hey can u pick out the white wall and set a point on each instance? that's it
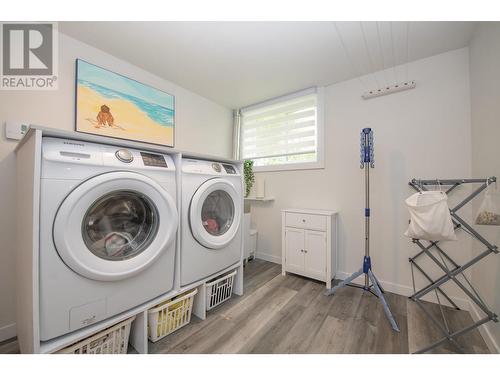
(201, 126)
(422, 133)
(485, 108)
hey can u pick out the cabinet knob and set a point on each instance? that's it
(305, 251)
(303, 220)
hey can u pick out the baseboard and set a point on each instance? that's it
(484, 330)
(407, 291)
(268, 257)
(7, 332)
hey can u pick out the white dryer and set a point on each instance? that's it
(108, 222)
(211, 233)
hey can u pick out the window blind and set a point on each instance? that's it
(281, 129)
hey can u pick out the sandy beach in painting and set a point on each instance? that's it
(130, 121)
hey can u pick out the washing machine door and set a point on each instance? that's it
(215, 213)
(114, 225)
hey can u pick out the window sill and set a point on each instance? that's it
(289, 167)
(255, 199)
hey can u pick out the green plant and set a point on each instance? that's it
(249, 176)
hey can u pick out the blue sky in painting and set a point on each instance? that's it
(106, 78)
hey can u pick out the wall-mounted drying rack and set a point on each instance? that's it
(451, 269)
(390, 89)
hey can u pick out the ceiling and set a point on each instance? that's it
(241, 63)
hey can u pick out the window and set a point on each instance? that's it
(284, 133)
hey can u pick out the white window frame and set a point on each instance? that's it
(320, 129)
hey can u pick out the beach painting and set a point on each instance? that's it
(112, 105)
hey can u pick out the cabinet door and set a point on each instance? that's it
(294, 250)
(315, 254)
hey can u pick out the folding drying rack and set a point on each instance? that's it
(452, 270)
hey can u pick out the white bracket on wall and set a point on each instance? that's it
(386, 90)
(15, 130)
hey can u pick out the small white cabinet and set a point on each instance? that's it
(309, 243)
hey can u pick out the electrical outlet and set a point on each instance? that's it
(15, 130)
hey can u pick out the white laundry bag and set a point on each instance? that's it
(489, 211)
(430, 217)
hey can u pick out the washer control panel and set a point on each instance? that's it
(153, 160)
(74, 152)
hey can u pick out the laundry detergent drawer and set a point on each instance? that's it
(306, 221)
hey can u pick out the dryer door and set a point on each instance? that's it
(215, 213)
(114, 225)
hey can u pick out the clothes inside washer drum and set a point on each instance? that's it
(120, 225)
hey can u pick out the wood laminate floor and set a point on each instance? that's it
(290, 314)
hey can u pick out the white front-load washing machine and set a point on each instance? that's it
(108, 222)
(211, 233)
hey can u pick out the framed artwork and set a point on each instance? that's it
(113, 105)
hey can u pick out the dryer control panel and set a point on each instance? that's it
(209, 167)
(229, 169)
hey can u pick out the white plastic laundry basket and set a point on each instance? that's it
(113, 340)
(219, 290)
(170, 315)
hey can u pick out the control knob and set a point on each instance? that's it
(124, 155)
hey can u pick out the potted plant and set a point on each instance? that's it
(249, 176)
